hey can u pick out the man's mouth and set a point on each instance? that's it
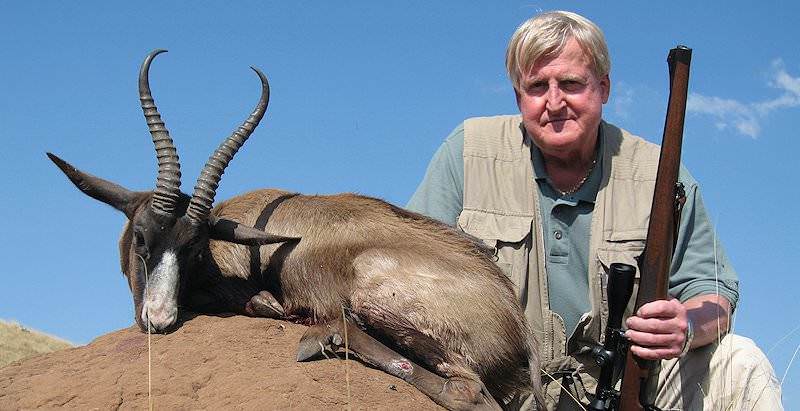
(555, 120)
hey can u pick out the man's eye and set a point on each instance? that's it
(571, 85)
(537, 87)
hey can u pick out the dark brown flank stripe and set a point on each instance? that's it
(261, 223)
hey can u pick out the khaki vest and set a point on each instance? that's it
(501, 207)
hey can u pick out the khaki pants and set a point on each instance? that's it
(731, 375)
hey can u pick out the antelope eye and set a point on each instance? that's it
(138, 238)
(139, 243)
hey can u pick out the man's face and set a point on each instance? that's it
(561, 101)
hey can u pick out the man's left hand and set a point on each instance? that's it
(658, 330)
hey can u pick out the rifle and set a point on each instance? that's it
(640, 376)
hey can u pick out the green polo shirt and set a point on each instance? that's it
(566, 226)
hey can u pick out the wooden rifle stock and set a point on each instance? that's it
(640, 376)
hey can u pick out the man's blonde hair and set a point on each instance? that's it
(546, 35)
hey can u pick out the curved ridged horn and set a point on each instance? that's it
(168, 182)
(207, 183)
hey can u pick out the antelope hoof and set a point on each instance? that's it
(462, 394)
(265, 305)
(318, 340)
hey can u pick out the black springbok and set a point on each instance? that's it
(406, 289)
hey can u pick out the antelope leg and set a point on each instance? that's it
(454, 393)
(265, 305)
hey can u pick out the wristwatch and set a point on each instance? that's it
(687, 341)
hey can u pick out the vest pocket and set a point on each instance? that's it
(626, 252)
(509, 237)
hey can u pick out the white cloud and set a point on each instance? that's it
(784, 81)
(784, 101)
(746, 117)
(725, 112)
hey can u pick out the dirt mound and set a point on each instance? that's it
(18, 342)
(208, 363)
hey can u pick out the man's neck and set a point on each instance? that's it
(565, 171)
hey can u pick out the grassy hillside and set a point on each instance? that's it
(18, 342)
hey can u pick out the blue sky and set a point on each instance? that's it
(362, 95)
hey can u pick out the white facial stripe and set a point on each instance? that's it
(161, 292)
(164, 279)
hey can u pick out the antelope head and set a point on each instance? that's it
(167, 230)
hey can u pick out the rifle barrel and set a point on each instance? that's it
(637, 390)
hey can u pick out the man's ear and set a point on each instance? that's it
(605, 85)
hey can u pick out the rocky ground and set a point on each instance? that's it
(208, 363)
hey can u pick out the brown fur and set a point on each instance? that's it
(432, 292)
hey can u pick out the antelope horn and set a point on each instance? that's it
(206, 188)
(168, 182)
(112, 194)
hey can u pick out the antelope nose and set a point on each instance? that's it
(160, 318)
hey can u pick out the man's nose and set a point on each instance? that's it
(555, 99)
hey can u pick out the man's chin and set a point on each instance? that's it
(563, 137)
(559, 144)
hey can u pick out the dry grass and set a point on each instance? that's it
(18, 342)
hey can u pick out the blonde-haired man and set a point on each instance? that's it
(561, 194)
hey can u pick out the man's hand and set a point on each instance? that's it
(658, 330)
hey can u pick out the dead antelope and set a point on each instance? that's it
(344, 264)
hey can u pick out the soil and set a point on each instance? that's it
(208, 363)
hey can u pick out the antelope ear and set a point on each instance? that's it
(231, 231)
(112, 194)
